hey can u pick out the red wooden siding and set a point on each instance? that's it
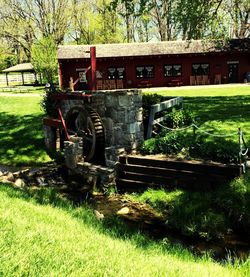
(218, 64)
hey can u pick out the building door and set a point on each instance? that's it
(233, 69)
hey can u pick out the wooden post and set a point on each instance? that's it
(93, 68)
(22, 78)
(60, 76)
(7, 81)
(63, 124)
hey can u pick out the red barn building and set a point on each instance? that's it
(155, 64)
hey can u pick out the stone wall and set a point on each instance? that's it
(121, 114)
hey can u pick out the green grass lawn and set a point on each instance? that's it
(21, 131)
(43, 235)
(218, 110)
(46, 236)
(22, 89)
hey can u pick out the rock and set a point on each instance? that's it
(41, 181)
(19, 183)
(99, 215)
(9, 177)
(124, 210)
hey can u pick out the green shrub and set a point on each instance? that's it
(49, 105)
(218, 149)
(150, 146)
(179, 118)
(173, 142)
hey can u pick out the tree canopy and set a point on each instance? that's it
(43, 53)
(24, 22)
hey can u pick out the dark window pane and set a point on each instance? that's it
(200, 69)
(172, 70)
(111, 73)
(120, 73)
(145, 72)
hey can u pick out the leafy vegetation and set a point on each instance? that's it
(206, 214)
(44, 59)
(43, 234)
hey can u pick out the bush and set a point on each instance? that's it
(49, 105)
(150, 146)
(219, 149)
(173, 142)
(179, 118)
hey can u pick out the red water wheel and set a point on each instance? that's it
(87, 124)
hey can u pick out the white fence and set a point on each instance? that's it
(15, 79)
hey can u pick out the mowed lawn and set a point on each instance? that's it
(21, 131)
(44, 236)
(220, 110)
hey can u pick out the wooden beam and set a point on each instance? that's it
(93, 68)
(7, 81)
(22, 78)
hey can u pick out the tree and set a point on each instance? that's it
(239, 13)
(24, 21)
(94, 22)
(7, 57)
(128, 9)
(194, 18)
(163, 16)
(44, 59)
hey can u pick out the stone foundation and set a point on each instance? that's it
(121, 115)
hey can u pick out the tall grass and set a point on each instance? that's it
(46, 236)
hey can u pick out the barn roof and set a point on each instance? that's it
(152, 48)
(22, 67)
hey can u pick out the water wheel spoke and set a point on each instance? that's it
(87, 124)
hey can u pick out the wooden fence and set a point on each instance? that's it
(157, 109)
(139, 173)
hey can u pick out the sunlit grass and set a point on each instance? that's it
(205, 91)
(44, 238)
(218, 110)
(21, 131)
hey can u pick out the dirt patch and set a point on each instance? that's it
(121, 206)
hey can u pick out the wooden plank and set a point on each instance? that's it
(164, 172)
(175, 177)
(166, 104)
(130, 186)
(123, 159)
(158, 108)
(220, 169)
(149, 179)
(53, 122)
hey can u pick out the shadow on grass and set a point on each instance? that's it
(21, 142)
(114, 227)
(235, 108)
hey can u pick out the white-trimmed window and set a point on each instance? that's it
(146, 71)
(172, 70)
(200, 69)
(116, 73)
